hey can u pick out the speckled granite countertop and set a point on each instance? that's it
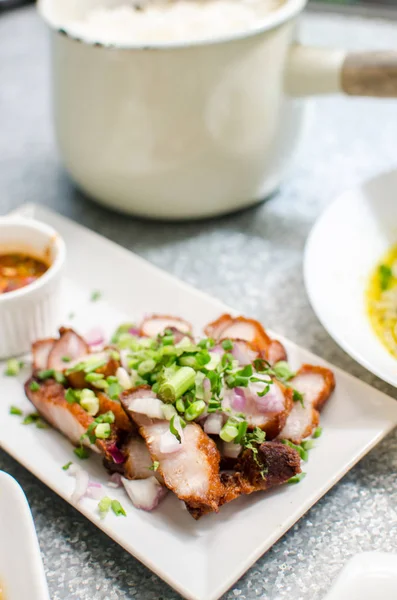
(347, 140)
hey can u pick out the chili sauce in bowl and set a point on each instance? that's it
(32, 256)
(18, 270)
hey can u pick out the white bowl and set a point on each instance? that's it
(345, 245)
(31, 312)
(21, 569)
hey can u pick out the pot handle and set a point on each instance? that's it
(314, 71)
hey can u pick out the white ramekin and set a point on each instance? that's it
(31, 312)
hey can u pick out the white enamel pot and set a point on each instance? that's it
(190, 130)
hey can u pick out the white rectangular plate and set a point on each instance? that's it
(199, 559)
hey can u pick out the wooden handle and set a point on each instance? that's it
(370, 74)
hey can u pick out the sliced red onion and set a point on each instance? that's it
(134, 331)
(124, 378)
(169, 443)
(151, 407)
(94, 490)
(217, 350)
(273, 401)
(207, 390)
(230, 450)
(213, 423)
(116, 454)
(243, 353)
(114, 480)
(95, 337)
(239, 401)
(82, 481)
(145, 494)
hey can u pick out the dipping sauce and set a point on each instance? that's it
(382, 300)
(19, 270)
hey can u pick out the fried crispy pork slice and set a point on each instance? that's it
(249, 330)
(40, 352)
(70, 419)
(71, 345)
(269, 412)
(138, 464)
(155, 324)
(275, 463)
(192, 471)
(121, 420)
(49, 400)
(316, 385)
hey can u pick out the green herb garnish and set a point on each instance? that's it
(104, 506)
(96, 295)
(66, 359)
(14, 410)
(154, 466)
(66, 467)
(282, 371)
(317, 432)
(32, 418)
(13, 366)
(296, 478)
(82, 452)
(299, 448)
(118, 509)
(298, 397)
(34, 386)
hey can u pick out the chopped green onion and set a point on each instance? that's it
(104, 506)
(180, 405)
(70, 396)
(188, 361)
(112, 379)
(317, 432)
(282, 371)
(40, 424)
(118, 509)
(107, 417)
(59, 377)
(206, 343)
(66, 359)
(195, 410)
(46, 374)
(91, 377)
(175, 421)
(300, 450)
(213, 406)
(177, 384)
(298, 397)
(203, 358)
(167, 340)
(32, 418)
(103, 431)
(92, 364)
(146, 366)
(214, 362)
(34, 386)
(264, 391)
(14, 410)
(96, 295)
(114, 355)
(385, 276)
(308, 444)
(155, 465)
(101, 384)
(66, 467)
(114, 390)
(229, 431)
(13, 366)
(169, 411)
(89, 402)
(296, 478)
(227, 345)
(242, 430)
(82, 452)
